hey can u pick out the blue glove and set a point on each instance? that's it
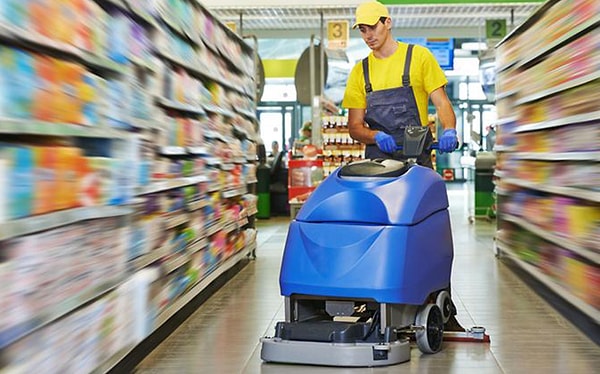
(448, 141)
(385, 142)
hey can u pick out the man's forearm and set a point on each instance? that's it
(357, 128)
(446, 115)
(362, 134)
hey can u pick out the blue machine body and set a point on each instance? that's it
(386, 239)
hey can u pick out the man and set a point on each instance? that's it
(390, 89)
(274, 152)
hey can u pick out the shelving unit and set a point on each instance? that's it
(548, 155)
(338, 147)
(156, 202)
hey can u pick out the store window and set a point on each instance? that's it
(276, 125)
(279, 92)
(471, 91)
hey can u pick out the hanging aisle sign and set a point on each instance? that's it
(232, 26)
(495, 30)
(338, 34)
(441, 48)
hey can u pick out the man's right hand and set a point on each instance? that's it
(385, 142)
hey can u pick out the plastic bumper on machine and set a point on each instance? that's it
(334, 354)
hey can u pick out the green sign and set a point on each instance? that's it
(495, 29)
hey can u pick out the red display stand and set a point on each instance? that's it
(303, 177)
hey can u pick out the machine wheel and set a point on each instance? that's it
(429, 339)
(445, 304)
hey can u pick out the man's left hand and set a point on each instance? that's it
(448, 141)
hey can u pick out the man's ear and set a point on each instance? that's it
(388, 23)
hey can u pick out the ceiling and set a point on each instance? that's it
(460, 20)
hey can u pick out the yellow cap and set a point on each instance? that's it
(369, 13)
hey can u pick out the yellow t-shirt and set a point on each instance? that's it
(425, 77)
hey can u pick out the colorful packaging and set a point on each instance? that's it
(100, 181)
(14, 13)
(4, 188)
(46, 89)
(45, 179)
(19, 179)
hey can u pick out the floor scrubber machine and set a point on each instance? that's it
(366, 266)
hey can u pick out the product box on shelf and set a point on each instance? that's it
(18, 180)
(17, 82)
(14, 12)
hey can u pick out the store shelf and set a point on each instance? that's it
(252, 211)
(507, 66)
(549, 236)
(562, 156)
(560, 88)
(53, 313)
(564, 121)
(198, 73)
(174, 219)
(229, 226)
(557, 43)
(184, 299)
(505, 95)
(215, 109)
(175, 262)
(227, 166)
(181, 30)
(503, 148)
(183, 151)
(171, 104)
(142, 15)
(30, 225)
(38, 41)
(121, 4)
(566, 191)
(504, 121)
(501, 191)
(198, 150)
(141, 123)
(172, 151)
(214, 187)
(214, 228)
(165, 185)
(201, 285)
(35, 127)
(234, 192)
(199, 204)
(211, 134)
(151, 257)
(197, 246)
(149, 67)
(201, 74)
(242, 222)
(246, 113)
(559, 290)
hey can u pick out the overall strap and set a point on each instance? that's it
(406, 75)
(365, 65)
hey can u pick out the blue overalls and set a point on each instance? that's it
(391, 111)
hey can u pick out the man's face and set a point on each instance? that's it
(375, 35)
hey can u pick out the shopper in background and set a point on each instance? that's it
(390, 89)
(305, 137)
(274, 152)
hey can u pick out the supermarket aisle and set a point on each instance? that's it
(527, 335)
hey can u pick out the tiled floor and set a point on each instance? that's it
(527, 335)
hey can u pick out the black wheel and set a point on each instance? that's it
(429, 339)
